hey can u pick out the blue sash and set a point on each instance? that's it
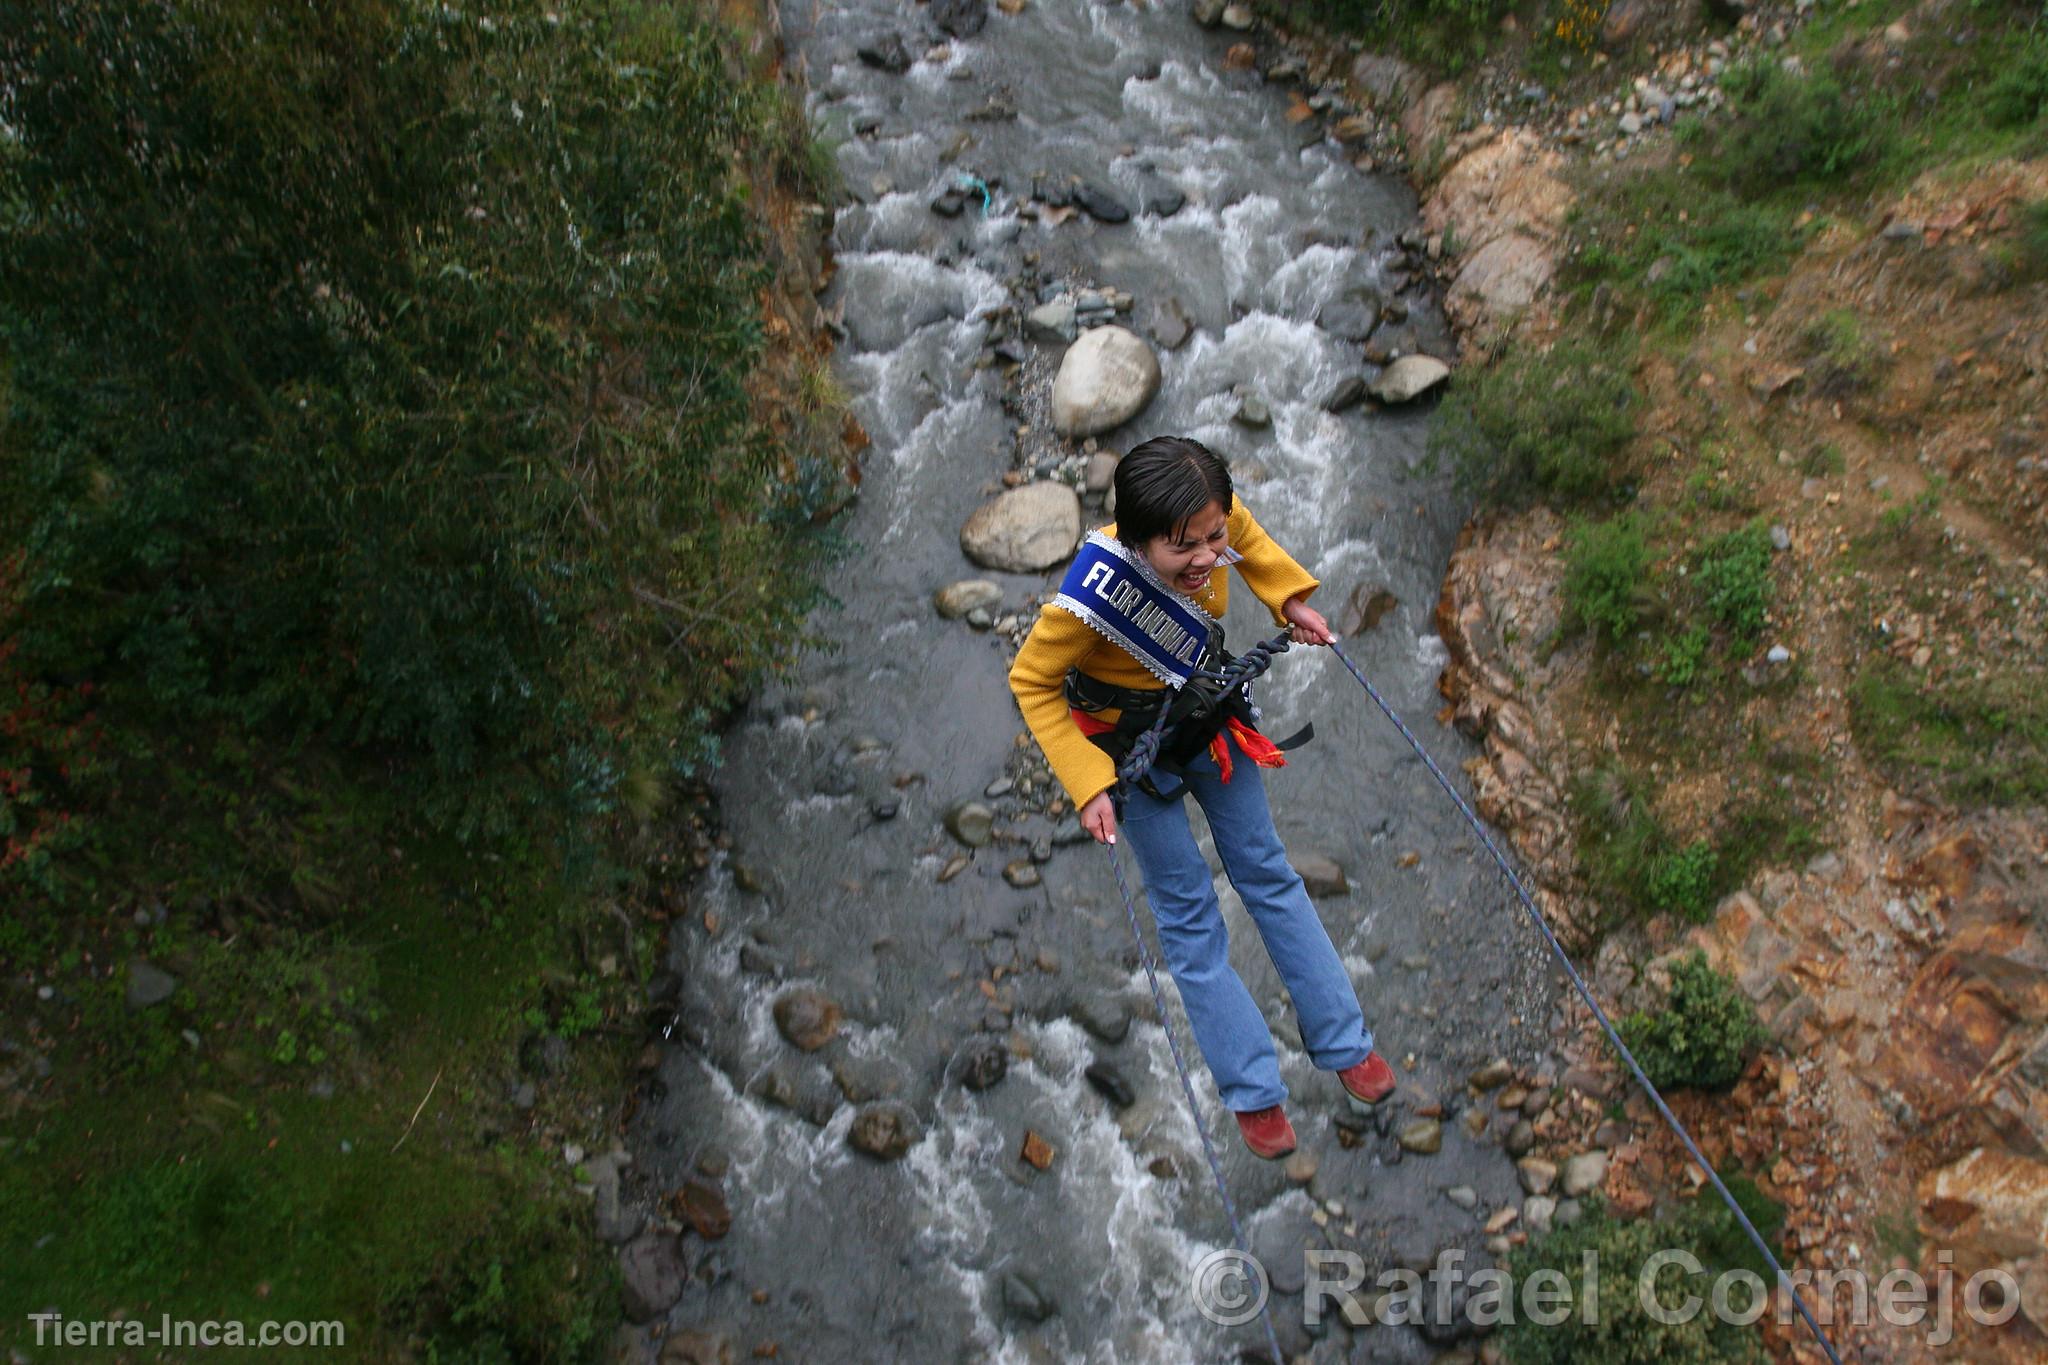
(1116, 592)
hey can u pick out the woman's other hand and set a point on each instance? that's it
(1306, 624)
(1098, 817)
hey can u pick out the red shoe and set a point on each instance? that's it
(1267, 1132)
(1370, 1081)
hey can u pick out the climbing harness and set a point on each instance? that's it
(1145, 752)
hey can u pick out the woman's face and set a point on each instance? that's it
(1186, 558)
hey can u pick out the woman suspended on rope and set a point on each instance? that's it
(1136, 626)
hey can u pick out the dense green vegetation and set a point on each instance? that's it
(1621, 1332)
(1703, 1034)
(1552, 423)
(386, 524)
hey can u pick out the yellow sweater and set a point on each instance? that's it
(1060, 641)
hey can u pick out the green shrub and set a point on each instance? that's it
(1552, 423)
(1787, 128)
(1606, 566)
(1685, 655)
(2031, 242)
(1448, 35)
(1682, 880)
(2018, 94)
(1982, 741)
(1621, 1332)
(1675, 238)
(1702, 1037)
(379, 374)
(1733, 578)
(1841, 357)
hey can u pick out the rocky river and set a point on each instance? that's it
(912, 1053)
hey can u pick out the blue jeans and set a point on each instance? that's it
(1228, 1026)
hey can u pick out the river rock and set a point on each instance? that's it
(1105, 379)
(1165, 203)
(1024, 1300)
(884, 1131)
(1168, 323)
(1537, 1212)
(1409, 378)
(1424, 1137)
(1100, 472)
(1237, 17)
(1319, 874)
(617, 1222)
(1100, 204)
(1583, 1174)
(148, 984)
(972, 823)
(1536, 1174)
(1521, 1139)
(955, 600)
(981, 1062)
(701, 1204)
(1109, 1083)
(885, 52)
(1052, 322)
(1348, 393)
(696, 1348)
(1031, 528)
(1493, 1075)
(1349, 319)
(808, 1019)
(1209, 13)
(651, 1275)
(1367, 606)
(1105, 1017)
(1022, 873)
(960, 18)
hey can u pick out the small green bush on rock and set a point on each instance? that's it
(1702, 1037)
(1548, 423)
(1620, 1331)
(1734, 578)
(1606, 565)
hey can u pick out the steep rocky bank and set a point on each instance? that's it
(1899, 962)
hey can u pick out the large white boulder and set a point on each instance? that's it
(1024, 530)
(1409, 378)
(1106, 378)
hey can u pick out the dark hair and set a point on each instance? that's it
(1163, 482)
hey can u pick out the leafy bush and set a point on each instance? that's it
(1788, 128)
(1685, 654)
(1449, 35)
(1841, 357)
(1682, 879)
(52, 756)
(1622, 1333)
(1702, 1037)
(1733, 577)
(379, 375)
(2018, 94)
(1674, 237)
(1553, 423)
(1606, 564)
(1983, 741)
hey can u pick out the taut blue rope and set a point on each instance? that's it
(1536, 915)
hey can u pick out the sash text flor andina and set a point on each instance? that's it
(1112, 589)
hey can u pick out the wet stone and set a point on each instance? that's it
(981, 1062)
(1100, 204)
(1424, 1137)
(884, 807)
(972, 823)
(807, 1019)
(1348, 393)
(1106, 1018)
(651, 1275)
(1521, 1139)
(1464, 1196)
(1021, 873)
(1493, 1075)
(1109, 1083)
(1024, 1301)
(885, 52)
(884, 1131)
